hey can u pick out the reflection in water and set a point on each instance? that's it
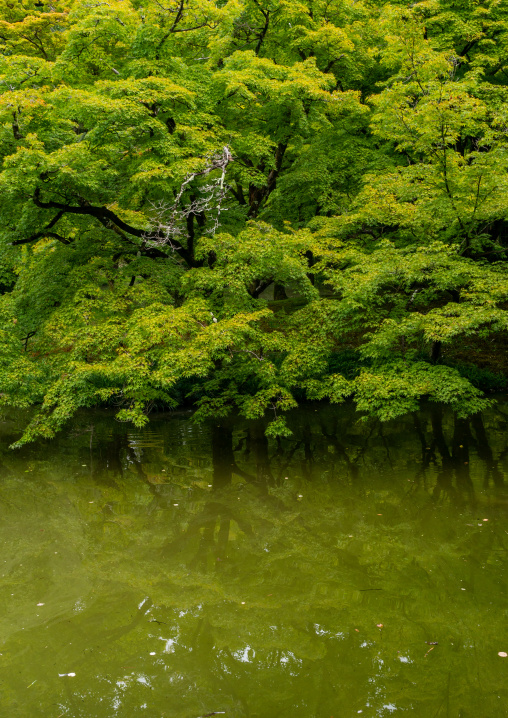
(181, 570)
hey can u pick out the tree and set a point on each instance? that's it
(166, 167)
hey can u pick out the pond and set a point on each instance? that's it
(355, 568)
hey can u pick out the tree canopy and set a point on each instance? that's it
(245, 203)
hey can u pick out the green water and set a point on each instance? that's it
(179, 571)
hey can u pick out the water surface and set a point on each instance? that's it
(353, 569)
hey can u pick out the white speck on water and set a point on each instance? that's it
(40, 604)
(175, 504)
(503, 654)
(170, 642)
(71, 675)
(152, 653)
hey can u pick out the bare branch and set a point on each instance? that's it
(171, 221)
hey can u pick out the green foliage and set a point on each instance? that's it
(484, 379)
(347, 363)
(239, 204)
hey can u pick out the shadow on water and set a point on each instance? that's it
(184, 570)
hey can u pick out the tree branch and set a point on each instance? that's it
(45, 233)
(106, 217)
(40, 235)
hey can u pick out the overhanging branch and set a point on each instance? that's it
(106, 217)
(45, 233)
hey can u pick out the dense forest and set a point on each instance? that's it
(243, 204)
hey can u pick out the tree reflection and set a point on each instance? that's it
(246, 573)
